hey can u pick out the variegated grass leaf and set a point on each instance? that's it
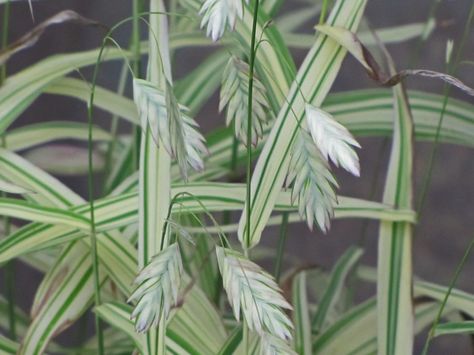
(333, 140)
(170, 125)
(250, 289)
(270, 345)
(11, 188)
(157, 293)
(218, 14)
(313, 184)
(234, 96)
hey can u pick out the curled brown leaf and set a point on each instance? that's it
(30, 38)
(351, 42)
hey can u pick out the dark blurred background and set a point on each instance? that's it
(446, 225)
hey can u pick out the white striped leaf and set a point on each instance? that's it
(8, 346)
(355, 332)
(21, 89)
(453, 328)
(121, 211)
(387, 35)
(8, 187)
(332, 294)
(301, 313)
(40, 133)
(314, 80)
(394, 286)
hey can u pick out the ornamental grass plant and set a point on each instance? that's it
(167, 251)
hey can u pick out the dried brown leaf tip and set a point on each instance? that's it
(353, 45)
(30, 38)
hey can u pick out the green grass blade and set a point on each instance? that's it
(451, 328)
(8, 346)
(53, 193)
(41, 133)
(389, 35)
(355, 328)
(201, 263)
(21, 89)
(116, 212)
(355, 333)
(301, 315)
(118, 315)
(233, 342)
(363, 112)
(177, 337)
(394, 285)
(155, 166)
(21, 318)
(459, 300)
(31, 212)
(368, 113)
(48, 190)
(103, 99)
(332, 295)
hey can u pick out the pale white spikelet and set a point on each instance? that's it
(218, 14)
(313, 184)
(270, 345)
(333, 140)
(169, 124)
(234, 96)
(254, 292)
(159, 283)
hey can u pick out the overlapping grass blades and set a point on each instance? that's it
(138, 205)
(312, 83)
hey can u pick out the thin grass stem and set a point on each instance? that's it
(137, 69)
(136, 36)
(452, 68)
(233, 172)
(431, 15)
(115, 123)
(452, 284)
(249, 117)
(90, 183)
(249, 146)
(93, 240)
(281, 245)
(324, 11)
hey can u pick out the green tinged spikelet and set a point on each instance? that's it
(219, 14)
(234, 96)
(159, 283)
(170, 124)
(254, 292)
(313, 184)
